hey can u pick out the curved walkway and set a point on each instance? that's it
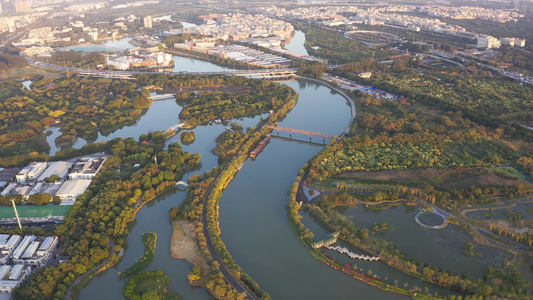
(440, 226)
(464, 210)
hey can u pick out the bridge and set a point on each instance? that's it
(182, 183)
(171, 131)
(309, 133)
(162, 97)
(352, 255)
(128, 75)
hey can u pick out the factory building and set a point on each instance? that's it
(34, 250)
(12, 276)
(30, 172)
(86, 168)
(71, 189)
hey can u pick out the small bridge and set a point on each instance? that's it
(162, 97)
(182, 184)
(309, 133)
(171, 131)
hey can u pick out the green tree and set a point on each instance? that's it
(39, 199)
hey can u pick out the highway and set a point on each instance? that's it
(127, 74)
(513, 75)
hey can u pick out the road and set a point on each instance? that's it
(223, 269)
(522, 78)
(125, 74)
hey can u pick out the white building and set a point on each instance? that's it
(31, 172)
(34, 250)
(59, 168)
(7, 245)
(519, 42)
(12, 276)
(148, 22)
(71, 189)
(93, 35)
(86, 168)
(36, 51)
(486, 41)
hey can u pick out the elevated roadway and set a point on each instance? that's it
(266, 73)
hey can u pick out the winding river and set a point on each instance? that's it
(253, 216)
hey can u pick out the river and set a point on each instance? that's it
(261, 202)
(253, 216)
(297, 43)
(257, 234)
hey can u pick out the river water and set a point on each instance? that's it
(261, 213)
(297, 43)
(253, 216)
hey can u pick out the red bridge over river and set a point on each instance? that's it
(309, 133)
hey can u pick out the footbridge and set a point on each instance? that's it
(162, 97)
(171, 131)
(182, 184)
(309, 133)
(344, 250)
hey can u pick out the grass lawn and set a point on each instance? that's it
(28, 73)
(442, 179)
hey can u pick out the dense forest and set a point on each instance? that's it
(80, 106)
(202, 107)
(77, 59)
(397, 135)
(489, 101)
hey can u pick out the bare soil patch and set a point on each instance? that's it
(183, 246)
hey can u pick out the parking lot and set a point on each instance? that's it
(8, 173)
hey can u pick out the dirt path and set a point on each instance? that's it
(182, 245)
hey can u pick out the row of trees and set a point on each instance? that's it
(150, 243)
